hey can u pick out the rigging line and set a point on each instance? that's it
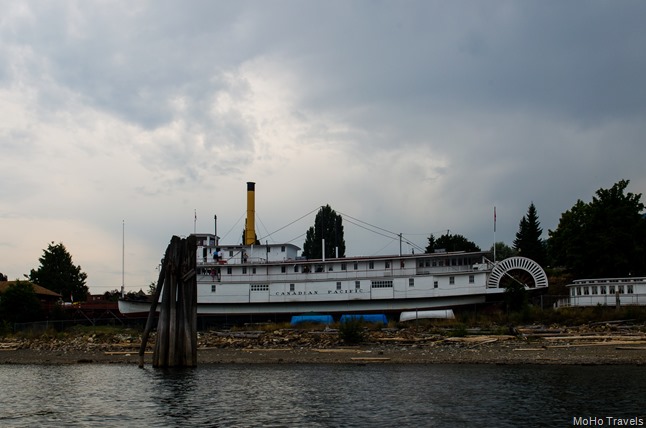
(382, 248)
(369, 230)
(234, 225)
(371, 225)
(264, 227)
(414, 245)
(294, 239)
(287, 225)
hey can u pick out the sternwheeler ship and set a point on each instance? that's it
(253, 278)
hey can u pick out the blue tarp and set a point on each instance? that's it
(375, 318)
(319, 319)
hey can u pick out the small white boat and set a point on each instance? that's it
(446, 314)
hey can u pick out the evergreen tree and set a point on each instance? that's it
(450, 243)
(329, 226)
(528, 242)
(603, 238)
(58, 273)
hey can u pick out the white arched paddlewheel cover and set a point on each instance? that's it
(517, 263)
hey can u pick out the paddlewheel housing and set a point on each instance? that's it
(519, 269)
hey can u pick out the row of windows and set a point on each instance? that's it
(601, 289)
(283, 269)
(454, 261)
(382, 284)
(411, 283)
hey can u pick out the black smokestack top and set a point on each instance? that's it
(251, 186)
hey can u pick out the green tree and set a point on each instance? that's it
(328, 225)
(19, 303)
(528, 242)
(503, 251)
(450, 243)
(603, 238)
(58, 273)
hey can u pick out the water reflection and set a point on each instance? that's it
(342, 395)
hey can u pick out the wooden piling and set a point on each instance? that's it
(176, 344)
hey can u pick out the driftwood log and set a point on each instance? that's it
(176, 344)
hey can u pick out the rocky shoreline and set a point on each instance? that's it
(588, 345)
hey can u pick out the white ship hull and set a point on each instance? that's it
(345, 285)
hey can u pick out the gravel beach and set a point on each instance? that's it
(601, 345)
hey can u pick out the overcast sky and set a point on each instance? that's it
(414, 116)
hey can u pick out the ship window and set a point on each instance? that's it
(213, 288)
(343, 266)
(603, 289)
(229, 270)
(611, 289)
(253, 270)
(586, 291)
(387, 265)
(244, 269)
(259, 287)
(411, 282)
(578, 291)
(282, 249)
(338, 285)
(283, 269)
(330, 268)
(356, 265)
(427, 263)
(435, 284)
(382, 284)
(451, 280)
(620, 289)
(268, 249)
(231, 253)
(629, 289)
(421, 263)
(292, 287)
(572, 292)
(295, 268)
(595, 290)
(472, 279)
(371, 265)
(434, 263)
(357, 285)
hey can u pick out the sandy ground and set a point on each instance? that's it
(395, 347)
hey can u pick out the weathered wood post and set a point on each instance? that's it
(176, 344)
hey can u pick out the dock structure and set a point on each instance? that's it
(176, 344)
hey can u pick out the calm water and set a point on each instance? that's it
(318, 396)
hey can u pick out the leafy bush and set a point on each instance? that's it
(352, 331)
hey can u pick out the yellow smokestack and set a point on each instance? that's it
(250, 224)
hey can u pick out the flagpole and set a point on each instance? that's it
(123, 258)
(494, 234)
(194, 222)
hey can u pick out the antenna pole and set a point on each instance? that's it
(123, 258)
